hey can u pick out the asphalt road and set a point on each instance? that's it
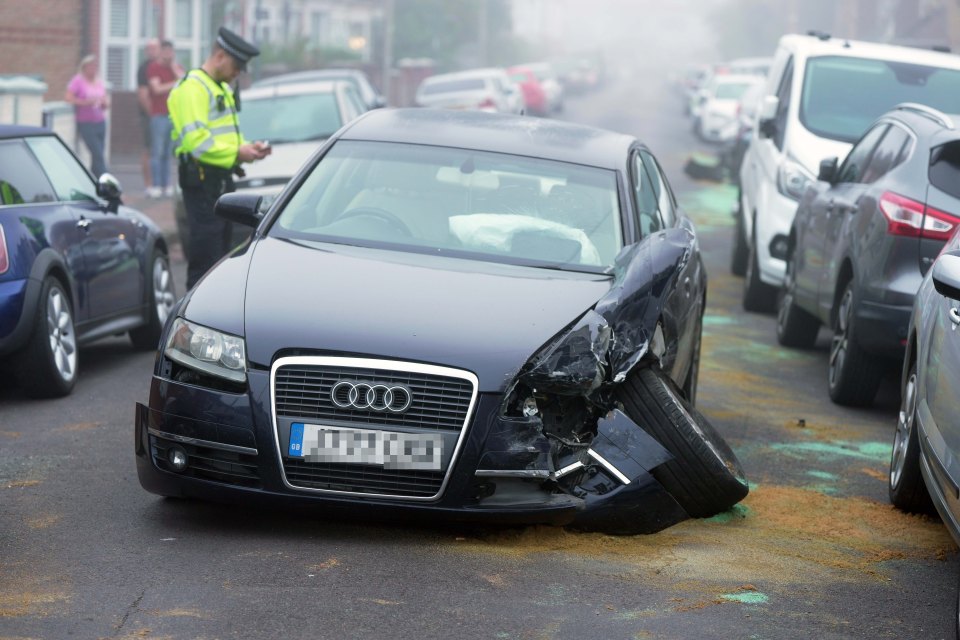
(815, 551)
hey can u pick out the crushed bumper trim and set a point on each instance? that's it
(202, 443)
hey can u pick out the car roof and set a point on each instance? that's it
(313, 74)
(292, 88)
(22, 131)
(494, 132)
(812, 45)
(936, 127)
(470, 73)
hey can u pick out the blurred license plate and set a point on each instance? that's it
(389, 449)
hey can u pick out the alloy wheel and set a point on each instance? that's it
(904, 430)
(841, 339)
(63, 342)
(163, 295)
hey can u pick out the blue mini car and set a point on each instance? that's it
(75, 264)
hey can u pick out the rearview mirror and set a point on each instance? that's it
(946, 276)
(828, 170)
(242, 208)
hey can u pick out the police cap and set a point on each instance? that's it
(238, 48)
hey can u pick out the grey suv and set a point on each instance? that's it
(863, 237)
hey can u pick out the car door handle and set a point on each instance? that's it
(954, 315)
(84, 223)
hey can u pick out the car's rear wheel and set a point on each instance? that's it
(741, 252)
(704, 476)
(161, 297)
(758, 296)
(907, 489)
(49, 361)
(854, 374)
(796, 327)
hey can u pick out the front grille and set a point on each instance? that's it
(358, 478)
(439, 402)
(209, 464)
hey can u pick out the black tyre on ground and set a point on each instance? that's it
(907, 489)
(796, 327)
(160, 298)
(705, 476)
(854, 375)
(741, 252)
(758, 296)
(48, 363)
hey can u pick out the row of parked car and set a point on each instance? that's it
(847, 217)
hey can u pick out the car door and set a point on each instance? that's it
(841, 203)
(939, 404)
(111, 283)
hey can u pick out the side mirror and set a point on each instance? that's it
(242, 208)
(108, 188)
(379, 102)
(828, 170)
(946, 275)
(766, 117)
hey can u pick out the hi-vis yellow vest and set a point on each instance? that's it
(204, 117)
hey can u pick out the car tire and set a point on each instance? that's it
(160, 298)
(758, 296)
(907, 489)
(796, 327)
(704, 476)
(48, 363)
(854, 375)
(741, 252)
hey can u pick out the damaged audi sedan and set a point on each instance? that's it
(470, 315)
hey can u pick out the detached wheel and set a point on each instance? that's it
(705, 476)
(741, 252)
(758, 296)
(49, 361)
(854, 374)
(796, 327)
(907, 489)
(160, 300)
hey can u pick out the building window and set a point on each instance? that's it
(119, 18)
(183, 19)
(118, 65)
(149, 19)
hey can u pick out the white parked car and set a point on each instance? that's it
(821, 95)
(721, 106)
(489, 89)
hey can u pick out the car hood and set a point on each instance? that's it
(286, 160)
(483, 317)
(809, 149)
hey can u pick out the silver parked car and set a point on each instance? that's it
(489, 89)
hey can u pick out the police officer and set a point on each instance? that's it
(210, 147)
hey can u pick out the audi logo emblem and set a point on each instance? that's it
(367, 396)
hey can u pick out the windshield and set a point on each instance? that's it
(842, 96)
(290, 118)
(472, 204)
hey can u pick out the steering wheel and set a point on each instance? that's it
(392, 219)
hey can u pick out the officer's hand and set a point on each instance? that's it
(250, 152)
(264, 147)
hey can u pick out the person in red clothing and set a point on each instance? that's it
(162, 76)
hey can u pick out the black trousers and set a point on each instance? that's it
(210, 235)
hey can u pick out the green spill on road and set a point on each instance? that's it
(710, 207)
(748, 597)
(876, 451)
(737, 512)
(823, 475)
(714, 320)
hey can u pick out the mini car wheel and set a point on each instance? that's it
(795, 326)
(704, 477)
(757, 295)
(907, 489)
(160, 300)
(854, 375)
(741, 252)
(49, 361)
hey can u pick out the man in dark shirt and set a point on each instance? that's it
(162, 76)
(152, 53)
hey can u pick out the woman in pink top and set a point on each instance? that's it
(88, 95)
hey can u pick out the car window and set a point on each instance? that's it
(843, 95)
(355, 104)
(465, 203)
(70, 181)
(21, 178)
(885, 156)
(784, 93)
(646, 197)
(452, 86)
(665, 204)
(854, 166)
(291, 118)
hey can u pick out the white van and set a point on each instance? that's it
(821, 95)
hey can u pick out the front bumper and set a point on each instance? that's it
(235, 455)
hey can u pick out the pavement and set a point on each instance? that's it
(127, 170)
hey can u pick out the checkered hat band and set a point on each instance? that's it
(231, 50)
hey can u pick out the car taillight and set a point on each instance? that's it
(4, 258)
(905, 217)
